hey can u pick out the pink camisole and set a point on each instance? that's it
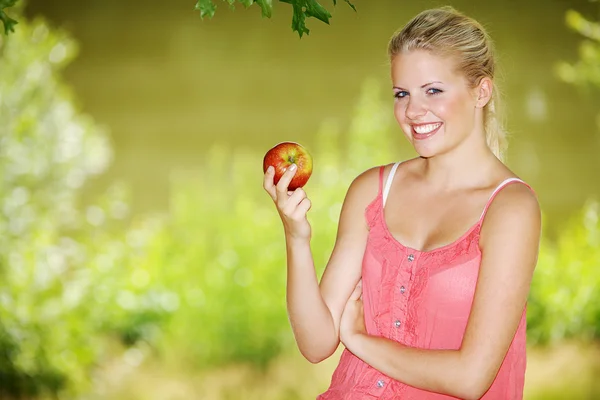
(421, 299)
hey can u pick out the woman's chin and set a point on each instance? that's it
(428, 147)
(425, 151)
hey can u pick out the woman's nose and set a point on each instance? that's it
(415, 109)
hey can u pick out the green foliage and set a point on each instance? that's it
(71, 277)
(565, 293)
(301, 9)
(586, 71)
(8, 22)
(565, 299)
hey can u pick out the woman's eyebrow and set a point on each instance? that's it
(430, 83)
(422, 86)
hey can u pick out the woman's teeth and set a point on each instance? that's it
(423, 129)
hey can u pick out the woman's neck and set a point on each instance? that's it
(466, 166)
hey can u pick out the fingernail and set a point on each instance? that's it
(270, 169)
(293, 167)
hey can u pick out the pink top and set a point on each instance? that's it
(421, 299)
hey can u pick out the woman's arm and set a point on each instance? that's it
(509, 243)
(315, 310)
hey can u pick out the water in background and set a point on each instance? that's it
(169, 86)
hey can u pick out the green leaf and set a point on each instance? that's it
(298, 17)
(347, 2)
(8, 22)
(206, 7)
(350, 4)
(303, 9)
(266, 7)
(314, 9)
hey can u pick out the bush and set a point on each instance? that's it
(565, 292)
(69, 279)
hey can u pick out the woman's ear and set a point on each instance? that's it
(484, 92)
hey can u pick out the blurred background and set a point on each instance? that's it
(139, 255)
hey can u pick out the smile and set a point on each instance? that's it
(424, 131)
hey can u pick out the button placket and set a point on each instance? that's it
(402, 299)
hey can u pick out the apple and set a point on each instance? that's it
(285, 154)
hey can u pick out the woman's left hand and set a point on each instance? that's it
(353, 317)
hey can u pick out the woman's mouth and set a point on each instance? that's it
(424, 131)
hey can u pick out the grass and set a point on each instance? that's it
(565, 371)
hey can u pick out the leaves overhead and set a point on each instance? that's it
(347, 2)
(8, 22)
(301, 9)
(266, 6)
(206, 8)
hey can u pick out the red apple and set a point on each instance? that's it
(285, 154)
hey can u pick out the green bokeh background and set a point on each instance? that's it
(139, 255)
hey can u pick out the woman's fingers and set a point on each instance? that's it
(268, 183)
(302, 208)
(284, 182)
(293, 202)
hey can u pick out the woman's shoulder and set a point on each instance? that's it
(369, 182)
(513, 206)
(510, 190)
(514, 195)
(371, 176)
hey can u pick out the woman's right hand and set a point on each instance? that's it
(291, 206)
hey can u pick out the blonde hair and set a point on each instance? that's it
(446, 32)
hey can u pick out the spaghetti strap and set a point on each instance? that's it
(504, 183)
(388, 183)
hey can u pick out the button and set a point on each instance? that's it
(402, 289)
(411, 257)
(397, 324)
(380, 383)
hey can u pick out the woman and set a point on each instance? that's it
(428, 280)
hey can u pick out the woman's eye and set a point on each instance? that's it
(401, 94)
(433, 91)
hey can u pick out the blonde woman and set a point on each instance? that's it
(428, 280)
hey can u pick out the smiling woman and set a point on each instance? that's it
(434, 110)
(427, 291)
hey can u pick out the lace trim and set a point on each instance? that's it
(378, 231)
(385, 247)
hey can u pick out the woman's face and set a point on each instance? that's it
(433, 104)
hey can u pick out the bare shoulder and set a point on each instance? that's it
(366, 184)
(514, 211)
(370, 178)
(516, 199)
